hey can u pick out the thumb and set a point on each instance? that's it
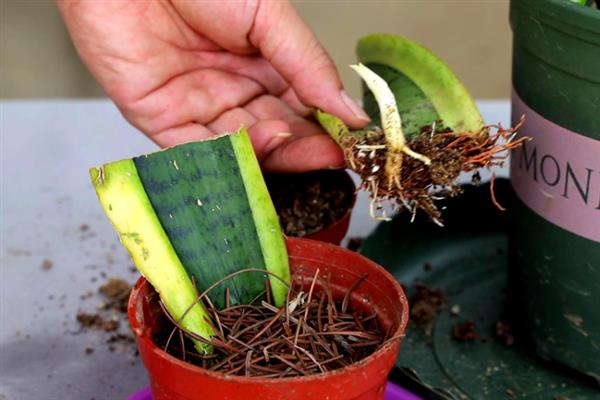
(294, 51)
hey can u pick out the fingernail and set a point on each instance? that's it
(277, 140)
(342, 165)
(354, 107)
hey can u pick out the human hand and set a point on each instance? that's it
(183, 70)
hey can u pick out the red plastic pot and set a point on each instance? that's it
(333, 233)
(173, 379)
(336, 232)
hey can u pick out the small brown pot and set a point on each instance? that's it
(173, 379)
(336, 230)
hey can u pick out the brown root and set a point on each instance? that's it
(408, 183)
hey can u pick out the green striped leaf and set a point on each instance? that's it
(126, 204)
(212, 206)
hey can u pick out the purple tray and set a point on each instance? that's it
(392, 392)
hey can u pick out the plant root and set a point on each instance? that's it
(410, 183)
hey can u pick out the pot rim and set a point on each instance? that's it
(380, 352)
(588, 18)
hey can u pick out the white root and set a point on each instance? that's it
(370, 146)
(390, 117)
(438, 222)
(413, 216)
(424, 159)
(375, 204)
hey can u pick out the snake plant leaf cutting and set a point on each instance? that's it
(436, 83)
(426, 128)
(192, 215)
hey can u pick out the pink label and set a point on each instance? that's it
(557, 174)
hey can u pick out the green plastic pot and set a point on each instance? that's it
(554, 245)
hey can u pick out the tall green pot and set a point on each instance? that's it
(554, 264)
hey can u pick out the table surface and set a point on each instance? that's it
(45, 198)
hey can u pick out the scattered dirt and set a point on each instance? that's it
(354, 243)
(455, 309)
(408, 183)
(86, 295)
(96, 321)
(47, 265)
(111, 316)
(85, 232)
(465, 332)
(15, 252)
(125, 340)
(117, 294)
(309, 202)
(503, 332)
(315, 333)
(426, 305)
